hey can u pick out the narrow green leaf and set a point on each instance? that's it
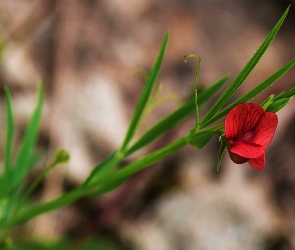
(252, 93)
(7, 206)
(238, 81)
(278, 104)
(171, 120)
(290, 93)
(104, 189)
(220, 154)
(145, 95)
(26, 148)
(287, 93)
(9, 143)
(200, 139)
(164, 125)
(101, 167)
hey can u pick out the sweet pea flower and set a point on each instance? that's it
(248, 131)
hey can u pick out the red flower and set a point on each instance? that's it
(248, 131)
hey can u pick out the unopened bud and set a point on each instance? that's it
(62, 156)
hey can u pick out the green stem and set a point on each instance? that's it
(102, 180)
(38, 181)
(152, 157)
(217, 127)
(9, 142)
(195, 84)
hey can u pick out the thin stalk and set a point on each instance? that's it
(102, 180)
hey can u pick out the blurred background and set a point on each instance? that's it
(89, 53)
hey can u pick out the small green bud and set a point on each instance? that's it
(62, 156)
(222, 137)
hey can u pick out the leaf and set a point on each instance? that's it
(238, 81)
(145, 95)
(286, 94)
(290, 93)
(102, 167)
(277, 105)
(252, 93)
(200, 139)
(25, 153)
(220, 154)
(103, 189)
(9, 143)
(171, 120)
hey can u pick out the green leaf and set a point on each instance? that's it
(7, 205)
(277, 105)
(220, 154)
(25, 153)
(107, 188)
(238, 81)
(9, 143)
(290, 93)
(164, 125)
(171, 120)
(252, 93)
(35, 159)
(286, 94)
(200, 139)
(145, 95)
(104, 166)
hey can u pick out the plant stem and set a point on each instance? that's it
(103, 180)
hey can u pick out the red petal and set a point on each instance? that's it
(246, 150)
(265, 130)
(258, 163)
(236, 158)
(242, 119)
